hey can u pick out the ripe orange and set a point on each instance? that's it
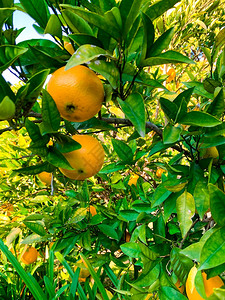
(68, 46)
(209, 284)
(133, 179)
(172, 74)
(84, 272)
(45, 177)
(159, 172)
(87, 160)
(77, 92)
(179, 286)
(29, 255)
(92, 210)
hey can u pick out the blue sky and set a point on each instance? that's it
(21, 20)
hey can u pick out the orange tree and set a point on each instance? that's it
(145, 237)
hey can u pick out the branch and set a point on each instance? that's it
(127, 122)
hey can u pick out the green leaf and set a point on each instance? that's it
(5, 89)
(212, 254)
(112, 168)
(78, 215)
(132, 14)
(211, 84)
(198, 88)
(9, 54)
(198, 118)
(82, 39)
(54, 27)
(34, 170)
(128, 214)
(39, 13)
(169, 293)
(108, 70)
(35, 227)
(33, 130)
(131, 249)
(56, 158)
(201, 196)
(32, 285)
(217, 204)
(123, 150)
(149, 36)
(160, 146)
(161, 43)
(169, 108)
(95, 19)
(167, 57)
(185, 210)
(76, 23)
(50, 115)
(5, 13)
(216, 108)
(134, 109)
(158, 8)
(66, 143)
(171, 134)
(108, 231)
(181, 264)
(215, 131)
(96, 278)
(84, 54)
(219, 42)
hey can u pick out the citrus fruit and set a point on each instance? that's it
(29, 255)
(7, 108)
(211, 152)
(171, 75)
(92, 210)
(179, 286)
(159, 172)
(77, 92)
(133, 179)
(84, 272)
(209, 284)
(87, 160)
(45, 177)
(68, 46)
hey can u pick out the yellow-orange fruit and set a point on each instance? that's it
(84, 272)
(159, 172)
(172, 74)
(209, 284)
(29, 256)
(77, 92)
(179, 286)
(133, 179)
(45, 177)
(86, 161)
(68, 46)
(92, 210)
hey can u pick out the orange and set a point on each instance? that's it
(68, 46)
(92, 210)
(172, 74)
(29, 256)
(209, 284)
(133, 179)
(45, 177)
(84, 272)
(87, 160)
(77, 92)
(159, 172)
(179, 286)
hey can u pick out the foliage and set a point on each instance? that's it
(147, 235)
